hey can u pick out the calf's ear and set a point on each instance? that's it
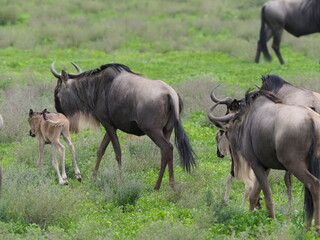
(30, 112)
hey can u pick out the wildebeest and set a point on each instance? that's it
(298, 17)
(291, 94)
(118, 98)
(272, 135)
(48, 127)
(243, 172)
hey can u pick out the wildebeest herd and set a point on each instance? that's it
(274, 127)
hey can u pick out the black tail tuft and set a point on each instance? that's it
(187, 155)
(263, 37)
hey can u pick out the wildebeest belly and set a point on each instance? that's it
(298, 31)
(131, 128)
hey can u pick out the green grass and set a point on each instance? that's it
(193, 45)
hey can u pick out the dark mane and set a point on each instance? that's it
(312, 9)
(117, 67)
(272, 83)
(251, 96)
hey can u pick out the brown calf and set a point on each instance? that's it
(48, 127)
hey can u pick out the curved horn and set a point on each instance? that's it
(226, 100)
(77, 67)
(54, 72)
(214, 119)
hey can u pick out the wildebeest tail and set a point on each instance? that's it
(186, 153)
(314, 169)
(263, 36)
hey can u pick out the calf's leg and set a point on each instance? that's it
(74, 159)
(55, 165)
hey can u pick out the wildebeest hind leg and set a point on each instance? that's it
(262, 177)
(288, 182)
(102, 149)
(259, 49)
(313, 184)
(166, 155)
(55, 165)
(276, 44)
(167, 134)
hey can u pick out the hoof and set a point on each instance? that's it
(66, 183)
(79, 179)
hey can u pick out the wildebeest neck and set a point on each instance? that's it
(311, 8)
(85, 94)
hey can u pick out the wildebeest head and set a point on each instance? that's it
(233, 106)
(236, 109)
(222, 144)
(34, 122)
(68, 102)
(272, 83)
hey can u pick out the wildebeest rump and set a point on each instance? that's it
(271, 135)
(48, 127)
(118, 98)
(298, 17)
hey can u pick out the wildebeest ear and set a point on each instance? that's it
(64, 76)
(44, 114)
(235, 105)
(30, 112)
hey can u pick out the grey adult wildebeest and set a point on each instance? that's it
(298, 17)
(291, 94)
(272, 135)
(118, 98)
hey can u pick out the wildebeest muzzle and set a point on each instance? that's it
(31, 133)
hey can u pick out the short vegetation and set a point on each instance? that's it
(193, 45)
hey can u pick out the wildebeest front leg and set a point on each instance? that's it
(101, 150)
(227, 192)
(40, 157)
(115, 143)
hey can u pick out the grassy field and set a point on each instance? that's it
(193, 45)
